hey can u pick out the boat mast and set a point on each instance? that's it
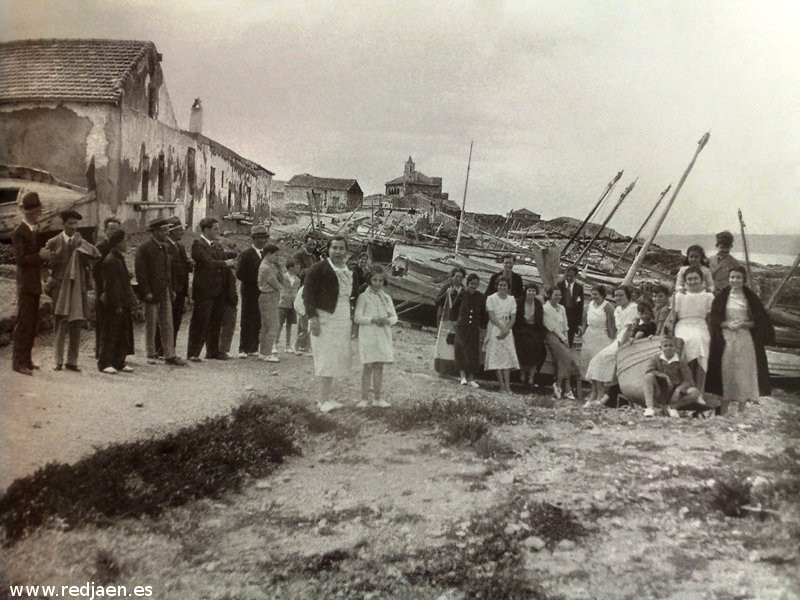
(746, 251)
(605, 193)
(637, 262)
(639, 231)
(464, 200)
(622, 197)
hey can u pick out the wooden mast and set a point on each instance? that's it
(622, 197)
(605, 193)
(639, 231)
(746, 251)
(637, 262)
(464, 200)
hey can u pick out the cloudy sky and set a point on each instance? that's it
(558, 96)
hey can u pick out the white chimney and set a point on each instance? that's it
(196, 118)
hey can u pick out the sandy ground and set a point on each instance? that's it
(378, 499)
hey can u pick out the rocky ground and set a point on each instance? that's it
(447, 494)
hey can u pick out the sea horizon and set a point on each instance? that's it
(766, 249)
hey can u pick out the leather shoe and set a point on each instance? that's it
(23, 370)
(33, 367)
(74, 368)
(175, 361)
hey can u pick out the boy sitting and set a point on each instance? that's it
(669, 381)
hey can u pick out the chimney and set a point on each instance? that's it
(196, 118)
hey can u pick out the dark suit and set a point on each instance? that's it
(517, 287)
(29, 290)
(572, 300)
(179, 267)
(247, 273)
(208, 294)
(154, 278)
(116, 334)
(97, 272)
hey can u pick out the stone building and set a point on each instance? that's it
(329, 195)
(97, 114)
(413, 182)
(523, 218)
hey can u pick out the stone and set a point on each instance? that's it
(534, 543)
(566, 545)
(600, 495)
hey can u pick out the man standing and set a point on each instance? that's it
(180, 267)
(68, 287)
(208, 292)
(517, 288)
(116, 335)
(722, 263)
(307, 257)
(572, 300)
(29, 260)
(230, 310)
(152, 266)
(247, 273)
(110, 225)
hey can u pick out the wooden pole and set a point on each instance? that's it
(773, 300)
(643, 250)
(464, 200)
(639, 231)
(622, 197)
(746, 251)
(605, 193)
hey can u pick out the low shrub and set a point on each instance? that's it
(462, 429)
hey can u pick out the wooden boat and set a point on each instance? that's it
(784, 363)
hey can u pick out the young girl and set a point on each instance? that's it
(646, 327)
(469, 309)
(501, 355)
(286, 314)
(695, 257)
(374, 316)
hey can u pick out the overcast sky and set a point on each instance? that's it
(558, 96)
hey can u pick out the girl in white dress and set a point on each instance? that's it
(557, 342)
(695, 257)
(602, 368)
(691, 311)
(598, 332)
(374, 316)
(501, 354)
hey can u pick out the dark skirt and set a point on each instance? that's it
(467, 348)
(529, 342)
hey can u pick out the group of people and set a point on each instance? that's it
(713, 330)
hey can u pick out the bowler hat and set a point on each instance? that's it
(258, 230)
(70, 214)
(30, 202)
(116, 237)
(157, 224)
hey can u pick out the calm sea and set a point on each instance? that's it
(764, 249)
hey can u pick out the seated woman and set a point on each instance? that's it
(599, 331)
(468, 312)
(740, 328)
(695, 257)
(557, 342)
(691, 313)
(501, 356)
(602, 368)
(529, 334)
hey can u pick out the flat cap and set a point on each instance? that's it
(157, 223)
(258, 230)
(70, 214)
(725, 237)
(174, 223)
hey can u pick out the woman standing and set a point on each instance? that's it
(374, 316)
(740, 328)
(501, 356)
(599, 331)
(448, 292)
(695, 257)
(691, 312)
(328, 296)
(557, 341)
(468, 312)
(602, 368)
(529, 334)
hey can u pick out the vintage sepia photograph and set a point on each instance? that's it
(411, 299)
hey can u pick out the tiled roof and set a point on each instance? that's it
(78, 70)
(415, 177)
(325, 183)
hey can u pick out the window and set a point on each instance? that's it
(145, 180)
(212, 187)
(229, 197)
(8, 195)
(249, 204)
(152, 101)
(161, 176)
(190, 172)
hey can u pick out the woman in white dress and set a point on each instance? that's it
(691, 313)
(557, 342)
(374, 316)
(328, 294)
(598, 332)
(602, 368)
(501, 354)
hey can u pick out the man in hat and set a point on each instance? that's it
(180, 267)
(152, 266)
(722, 263)
(116, 333)
(68, 286)
(208, 291)
(29, 258)
(247, 273)
(572, 300)
(110, 225)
